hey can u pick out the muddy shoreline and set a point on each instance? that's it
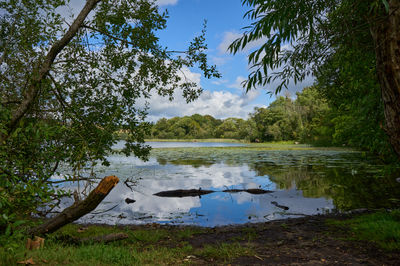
(307, 240)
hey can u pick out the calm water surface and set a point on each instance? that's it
(178, 144)
(305, 182)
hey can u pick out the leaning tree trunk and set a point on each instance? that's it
(386, 34)
(39, 74)
(78, 209)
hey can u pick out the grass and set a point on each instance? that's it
(382, 228)
(154, 246)
(159, 245)
(224, 252)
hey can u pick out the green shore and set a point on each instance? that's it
(372, 238)
(198, 140)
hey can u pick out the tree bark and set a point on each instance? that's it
(43, 70)
(386, 35)
(78, 209)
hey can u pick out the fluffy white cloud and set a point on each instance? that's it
(219, 104)
(247, 97)
(220, 60)
(230, 36)
(71, 10)
(166, 2)
(220, 81)
(238, 83)
(75, 6)
(227, 39)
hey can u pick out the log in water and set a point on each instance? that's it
(180, 193)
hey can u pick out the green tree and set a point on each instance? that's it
(348, 81)
(315, 117)
(234, 128)
(186, 127)
(278, 121)
(208, 125)
(315, 31)
(66, 88)
(195, 126)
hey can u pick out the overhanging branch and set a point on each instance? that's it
(43, 70)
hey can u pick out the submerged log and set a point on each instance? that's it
(180, 193)
(279, 206)
(129, 200)
(250, 190)
(79, 208)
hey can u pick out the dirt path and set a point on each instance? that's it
(303, 241)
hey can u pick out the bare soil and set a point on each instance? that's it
(301, 241)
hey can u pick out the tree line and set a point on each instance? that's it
(314, 117)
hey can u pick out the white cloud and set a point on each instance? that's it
(75, 6)
(220, 104)
(166, 2)
(71, 10)
(230, 36)
(219, 61)
(227, 39)
(249, 96)
(238, 83)
(293, 88)
(219, 81)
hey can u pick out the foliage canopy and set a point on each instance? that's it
(351, 47)
(68, 84)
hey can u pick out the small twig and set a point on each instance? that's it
(66, 180)
(105, 210)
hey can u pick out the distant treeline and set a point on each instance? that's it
(303, 120)
(311, 118)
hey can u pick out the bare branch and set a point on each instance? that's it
(108, 35)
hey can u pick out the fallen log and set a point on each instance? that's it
(180, 193)
(279, 206)
(250, 190)
(78, 209)
(129, 200)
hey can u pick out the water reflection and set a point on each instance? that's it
(307, 182)
(178, 144)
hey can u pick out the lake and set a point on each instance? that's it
(181, 144)
(302, 181)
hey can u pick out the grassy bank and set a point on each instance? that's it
(274, 145)
(153, 244)
(381, 228)
(368, 238)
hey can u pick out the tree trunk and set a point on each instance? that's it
(78, 209)
(386, 35)
(42, 71)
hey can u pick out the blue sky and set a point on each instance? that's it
(221, 98)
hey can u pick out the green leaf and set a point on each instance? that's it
(386, 4)
(19, 222)
(8, 230)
